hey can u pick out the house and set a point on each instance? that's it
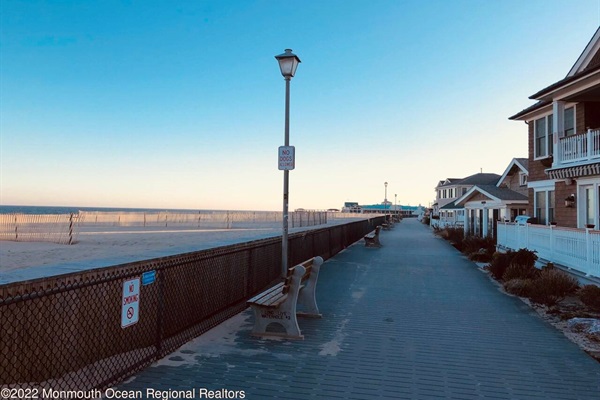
(445, 212)
(486, 204)
(564, 170)
(564, 145)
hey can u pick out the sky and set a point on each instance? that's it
(181, 104)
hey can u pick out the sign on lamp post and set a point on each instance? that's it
(287, 158)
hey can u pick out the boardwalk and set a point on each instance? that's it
(411, 320)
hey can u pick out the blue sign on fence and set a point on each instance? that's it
(148, 277)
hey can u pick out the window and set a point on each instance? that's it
(522, 179)
(590, 215)
(570, 121)
(540, 207)
(540, 137)
(544, 206)
(464, 191)
(543, 137)
(588, 203)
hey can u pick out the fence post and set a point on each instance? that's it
(71, 228)
(160, 312)
(588, 247)
(552, 243)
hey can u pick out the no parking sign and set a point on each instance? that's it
(130, 304)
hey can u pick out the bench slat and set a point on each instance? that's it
(267, 293)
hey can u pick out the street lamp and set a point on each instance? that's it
(288, 62)
(385, 197)
(395, 204)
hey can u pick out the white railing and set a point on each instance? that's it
(581, 147)
(578, 249)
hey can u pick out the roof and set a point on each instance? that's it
(586, 65)
(536, 106)
(565, 81)
(479, 179)
(494, 192)
(520, 163)
(451, 206)
(448, 182)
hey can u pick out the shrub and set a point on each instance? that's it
(425, 220)
(482, 257)
(519, 271)
(524, 257)
(519, 287)
(590, 296)
(454, 235)
(552, 286)
(499, 264)
(472, 244)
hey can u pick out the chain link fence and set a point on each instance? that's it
(65, 332)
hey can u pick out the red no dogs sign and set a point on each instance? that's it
(130, 303)
(287, 158)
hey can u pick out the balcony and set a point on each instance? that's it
(579, 149)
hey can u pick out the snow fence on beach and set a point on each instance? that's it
(65, 228)
(55, 228)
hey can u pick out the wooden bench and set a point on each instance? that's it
(278, 304)
(372, 239)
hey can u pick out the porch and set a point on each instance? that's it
(580, 148)
(578, 249)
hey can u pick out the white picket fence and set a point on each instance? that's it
(578, 249)
(55, 228)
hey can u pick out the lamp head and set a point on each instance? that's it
(288, 62)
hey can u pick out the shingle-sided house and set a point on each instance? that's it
(503, 200)
(564, 169)
(449, 190)
(564, 145)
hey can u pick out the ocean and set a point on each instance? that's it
(75, 210)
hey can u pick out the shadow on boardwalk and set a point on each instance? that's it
(411, 320)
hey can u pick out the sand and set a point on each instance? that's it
(106, 246)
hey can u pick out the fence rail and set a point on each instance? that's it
(578, 249)
(55, 228)
(64, 332)
(65, 228)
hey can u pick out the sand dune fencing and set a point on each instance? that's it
(65, 228)
(163, 219)
(203, 219)
(55, 228)
(65, 333)
(308, 218)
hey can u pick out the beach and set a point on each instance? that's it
(104, 246)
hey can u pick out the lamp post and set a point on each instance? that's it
(395, 204)
(385, 197)
(288, 62)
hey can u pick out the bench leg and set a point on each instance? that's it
(307, 298)
(263, 317)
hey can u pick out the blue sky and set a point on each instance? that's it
(181, 104)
